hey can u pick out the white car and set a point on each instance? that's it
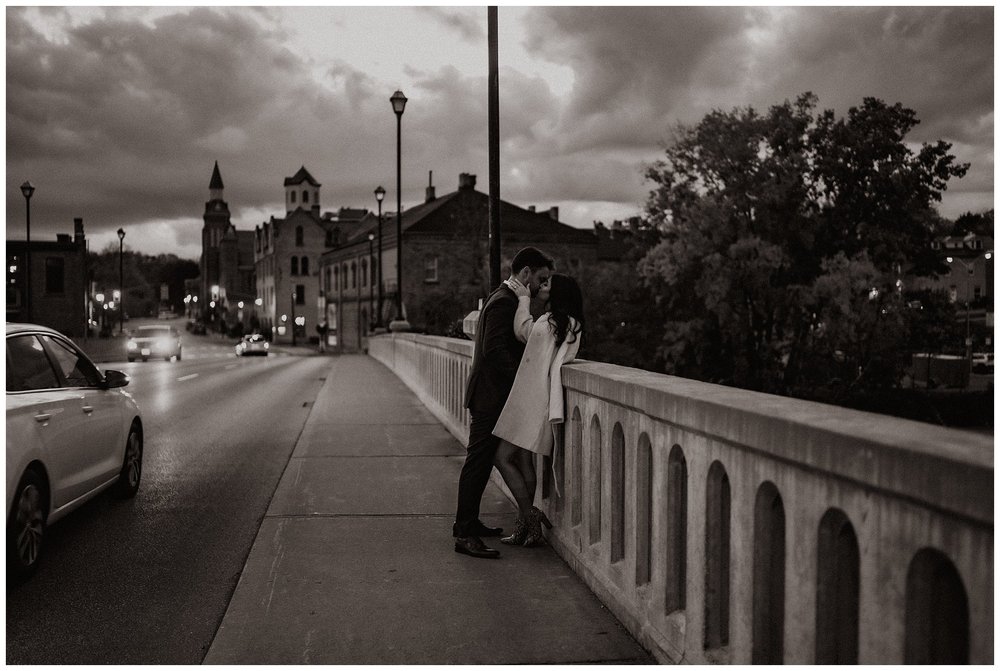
(252, 344)
(154, 340)
(72, 432)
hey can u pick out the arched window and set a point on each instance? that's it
(768, 576)
(717, 505)
(354, 275)
(937, 611)
(295, 265)
(643, 510)
(305, 196)
(676, 595)
(594, 478)
(617, 493)
(575, 452)
(305, 265)
(298, 236)
(837, 590)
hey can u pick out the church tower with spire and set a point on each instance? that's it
(214, 230)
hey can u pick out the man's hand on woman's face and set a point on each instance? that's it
(518, 288)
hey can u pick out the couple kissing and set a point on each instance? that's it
(515, 396)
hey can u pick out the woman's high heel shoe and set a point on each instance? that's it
(536, 518)
(520, 532)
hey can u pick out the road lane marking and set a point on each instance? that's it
(187, 377)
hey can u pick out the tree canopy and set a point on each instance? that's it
(785, 241)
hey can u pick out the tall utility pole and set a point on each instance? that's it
(494, 117)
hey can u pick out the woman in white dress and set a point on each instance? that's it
(532, 417)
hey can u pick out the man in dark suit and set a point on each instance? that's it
(494, 365)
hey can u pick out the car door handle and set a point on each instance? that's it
(88, 409)
(43, 417)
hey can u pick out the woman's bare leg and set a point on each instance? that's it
(507, 463)
(525, 462)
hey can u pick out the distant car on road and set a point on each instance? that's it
(154, 340)
(252, 344)
(72, 432)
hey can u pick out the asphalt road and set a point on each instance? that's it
(147, 581)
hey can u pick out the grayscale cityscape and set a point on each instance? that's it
(681, 316)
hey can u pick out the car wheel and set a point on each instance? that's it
(131, 473)
(131, 359)
(178, 355)
(145, 358)
(26, 526)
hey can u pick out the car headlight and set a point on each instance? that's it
(265, 345)
(131, 345)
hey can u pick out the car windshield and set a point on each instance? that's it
(152, 331)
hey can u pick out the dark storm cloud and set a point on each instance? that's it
(640, 70)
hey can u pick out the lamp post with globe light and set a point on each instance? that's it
(379, 195)
(27, 190)
(121, 280)
(398, 101)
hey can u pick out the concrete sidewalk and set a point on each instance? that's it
(354, 561)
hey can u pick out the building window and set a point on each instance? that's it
(336, 278)
(55, 276)
(354, 275)
(329, 239)
(977, 292)
(431, 270)
(364, 272)
(305, 265)
(305, 196)
(295, 265)
(293, 196)
(298, 236)
(300, 294)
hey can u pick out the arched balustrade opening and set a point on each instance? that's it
(717, 508)
(676, 550)
(643, 510)
(617, 493)
(937, 611)
(594, 478)
(768, 576)
(576, 454)
(837, 590)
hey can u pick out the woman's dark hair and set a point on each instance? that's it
(565, 301)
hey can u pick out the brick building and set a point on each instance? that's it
(59, 278)
(445, 261)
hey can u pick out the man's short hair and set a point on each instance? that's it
(532, 258)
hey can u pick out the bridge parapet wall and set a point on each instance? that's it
(721, 525)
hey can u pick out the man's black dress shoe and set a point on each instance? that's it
(480, 530)
(475, 547)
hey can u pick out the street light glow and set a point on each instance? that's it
(99, 297)
(240, 305)
(259, 301)
(116, 294)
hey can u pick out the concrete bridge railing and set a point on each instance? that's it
(728, 526)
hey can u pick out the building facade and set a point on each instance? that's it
(58, 286)
(287, 255)
(445, 262)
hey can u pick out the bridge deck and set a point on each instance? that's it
(354, 564)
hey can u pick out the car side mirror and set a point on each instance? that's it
(115, 378)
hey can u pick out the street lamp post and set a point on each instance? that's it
(398, 101)
(371, 285)
(379, 195)
(27, 190)
(295, 294)
(121, 280)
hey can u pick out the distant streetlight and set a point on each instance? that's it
(970, 270)
(371, 287)
(121, 279)
(27, 190)
(379, 195)
(398, 101)
(295, 294)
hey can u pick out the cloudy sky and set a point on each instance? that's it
(117, 114)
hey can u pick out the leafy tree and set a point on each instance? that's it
(979, 224)
(783, 237)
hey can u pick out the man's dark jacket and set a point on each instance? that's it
(497, 354)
